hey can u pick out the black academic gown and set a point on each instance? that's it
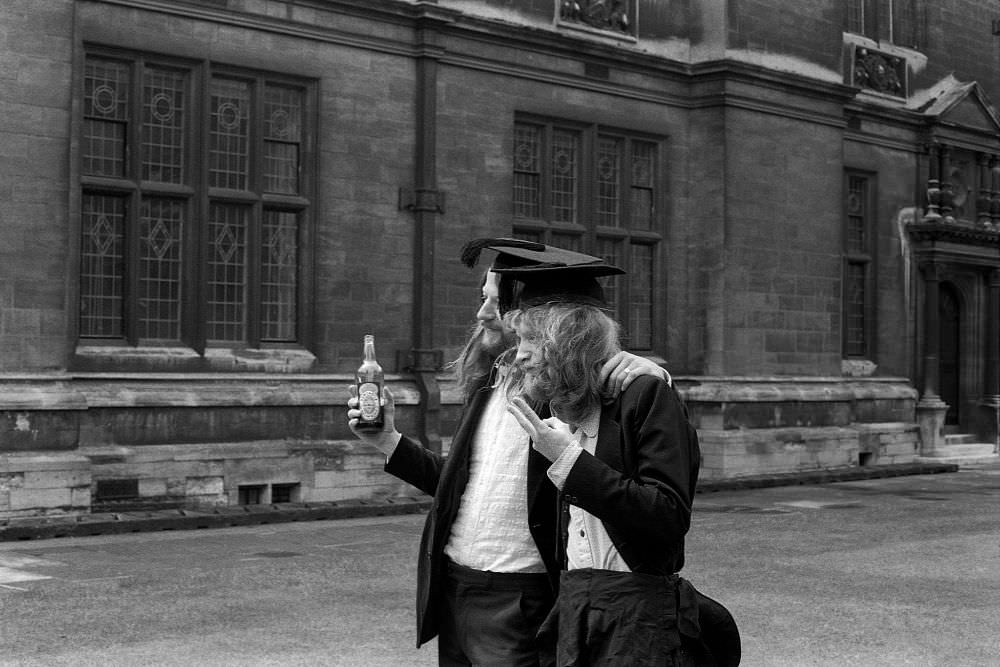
(445, 478)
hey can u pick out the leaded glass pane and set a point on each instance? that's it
(609, 161)
(537, 237)
(642, 197)
(105, 116)
(565, 161)
(856, 16)
(640, 318)
(855, 343)
(610, 250)
(279, 276)
(161, 228)
(229, 134)
(102, 254)
(904, 16)
(884, 10)
(857, 204)
(527, 171)
(163, 125)
(568, 241)
(282, 139)
(226, 279)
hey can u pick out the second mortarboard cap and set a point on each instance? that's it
(534, 273)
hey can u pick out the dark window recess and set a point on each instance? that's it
(251, 494)
(894, 21)
(116, 489)
(858, 299)
(284, 493)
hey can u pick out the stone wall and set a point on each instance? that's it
(175, 441)
(777, 425)
(73, 442)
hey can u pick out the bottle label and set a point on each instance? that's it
(368, 401)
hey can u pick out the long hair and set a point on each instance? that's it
(477, 358)
(574, 340)
(474, 362)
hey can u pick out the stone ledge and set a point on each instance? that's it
(825, 476)
(696, 389)
(86, 391)
(961, 460)
(31, 528)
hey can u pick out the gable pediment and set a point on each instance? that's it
(961, 105)
(971, 114)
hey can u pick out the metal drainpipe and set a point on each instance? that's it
(426, 203)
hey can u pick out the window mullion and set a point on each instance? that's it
(586, 205)
(545, 165)
(253, 311)
(197, 308)
(625, 211)
(135, 309)
(254, 224)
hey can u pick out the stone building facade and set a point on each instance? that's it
(206, 205)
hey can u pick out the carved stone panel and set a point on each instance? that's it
(612, 15)
(879, 72)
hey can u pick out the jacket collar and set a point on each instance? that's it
(608, 448)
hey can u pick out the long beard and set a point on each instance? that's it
(536, 388)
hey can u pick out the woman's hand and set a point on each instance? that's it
(549, 436)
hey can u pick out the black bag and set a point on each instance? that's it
(719, 643)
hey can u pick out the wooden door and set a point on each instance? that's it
(949, 356)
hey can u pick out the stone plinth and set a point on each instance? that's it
(930, 416)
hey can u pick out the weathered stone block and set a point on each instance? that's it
(204, 486)
(80, 497)
(733, 453)
(38, 430)
(40, 499)
(49, 479)
(152, 487)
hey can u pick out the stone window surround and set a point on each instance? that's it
(256, 356)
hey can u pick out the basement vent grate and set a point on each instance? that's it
(251, 494)
(284, 493)
(116, 489)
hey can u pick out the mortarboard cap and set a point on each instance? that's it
(533, 273)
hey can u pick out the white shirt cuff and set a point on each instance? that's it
(559, 471)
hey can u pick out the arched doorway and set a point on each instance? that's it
(949, 319)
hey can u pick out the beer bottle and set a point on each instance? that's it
(369, 382)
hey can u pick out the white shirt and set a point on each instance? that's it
(490, 531)
(588, 545)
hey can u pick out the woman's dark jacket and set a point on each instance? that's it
(641, 479)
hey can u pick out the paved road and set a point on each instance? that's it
(899, 571)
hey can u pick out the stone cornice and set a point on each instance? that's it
(954, 232)
(735, 70)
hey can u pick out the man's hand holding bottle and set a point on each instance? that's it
(385, 438)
